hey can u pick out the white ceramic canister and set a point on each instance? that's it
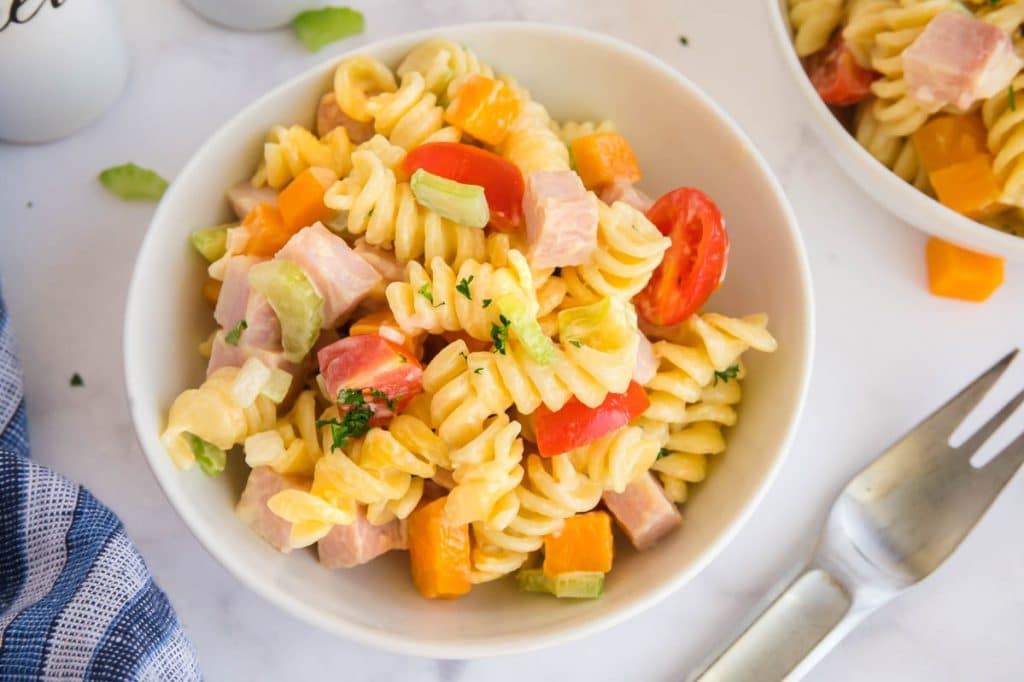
(253, 15)
(62, 64)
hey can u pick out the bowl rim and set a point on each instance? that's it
(908, 203)
(519, 642)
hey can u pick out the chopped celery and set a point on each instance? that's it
(319, 27)
(575, 585)
(276, 387)
(458, 202)
(524, 325)
(210, 458)
(249, 382)
(296, 302)
(131, 182)
(608, 324)
(212, 242)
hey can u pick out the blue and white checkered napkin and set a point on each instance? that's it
(76, 599)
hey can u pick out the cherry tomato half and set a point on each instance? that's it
(501, 179)
(837, 76)
(693, 266)
(575, 424)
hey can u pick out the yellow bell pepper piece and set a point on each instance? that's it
(948, 140)
(969, 187)
(484, 108)
(958, 273)
(603, 158)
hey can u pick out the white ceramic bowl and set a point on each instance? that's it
(887, 188)
(681, 137)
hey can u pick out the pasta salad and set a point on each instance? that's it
(930, 89)
(451, 325)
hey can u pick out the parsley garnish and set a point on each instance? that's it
(576, 342)
(663, 453)
(464, 356)
(993, 3)
(487, 302)
(478, 370)
(354, 423)
(683, 40)
(236, 333)
(76, 380)
(499, 334)
(381, 395)
(463, 287)
(426, 293)
(369, 214)
(728, 374)
(1013, 98)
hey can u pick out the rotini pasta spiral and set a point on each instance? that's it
(293, 446)
(410, 116)
(1009, 16)
(570, 130)
(386, 211)
(356, 80)
(616, 459)
(212, 413)
(552, 491)
(289, 151)
(531, 142)
(813, 23)
(865, 19)
(440, 62)
(487, 471)
(629, 249)
(1005, 126)
(443, 299)
(896, 153)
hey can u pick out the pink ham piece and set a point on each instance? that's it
(330, 116)
(626, 192)
(263, 329)
(234, 293)
(243, 197)
(646, 362)
(561, 219)
(252, 508)
(958, 60)
(384, 262)
(643, 511)
(339, 274)
(223, 354)
(360, 542)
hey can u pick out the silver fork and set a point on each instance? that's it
(891, 526)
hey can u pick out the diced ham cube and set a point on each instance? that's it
(330, 116)
(384, 262)
(958, 60)
(646, 362)
(643, 511)
(263, 329)
(264, 483)
(339, 274)
(561, 219)
(243, 197)
(234, 294)
(625, 191)
(360, 542)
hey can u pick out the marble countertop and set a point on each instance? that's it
(888, 352)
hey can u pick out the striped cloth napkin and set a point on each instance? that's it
(76, 599)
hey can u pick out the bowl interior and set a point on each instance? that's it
(913, 206)
(680, 138)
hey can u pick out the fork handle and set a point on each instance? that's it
(786, 639)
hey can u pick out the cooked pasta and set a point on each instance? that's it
(552, 491)
(289, 151)
(1005, 126)
(487, 471)
(616, 459)
(531, 142)
(896, 153)
(439, 62)
(410, 116)
(292, 446)
(358, 79)
(443, 299)
(683, 461)
(813, 22)
(386, 211)
(629, 248)
(865, 19)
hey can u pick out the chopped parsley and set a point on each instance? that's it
(499, 334)
(231, 338)
(464, 356)
(993, 3)
(486, 302)
(576, 342)
(355, 422)
(663, 453)
(463, 287)
(369, 213)
(76, 380)
(683, 40)
(381, 395)
(728, 374)
(426, 293)
(478, 370)
(1013, 98)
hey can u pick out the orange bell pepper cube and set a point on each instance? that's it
(374, 322)
(603, 158)
(438, 552)
(948, 140)
(484, 108)
(958, 273)
(969, 187)
(302, 202)
(267, 231)
(585, 543)
(211, 290)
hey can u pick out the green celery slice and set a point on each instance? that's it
(317, 28)
(296, 302)
(212, 242)
(575, 585)
(456, 201)
(606, 325)
(524, 325)
(209, 457)
(132, 182)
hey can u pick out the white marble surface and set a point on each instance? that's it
(887, 353)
